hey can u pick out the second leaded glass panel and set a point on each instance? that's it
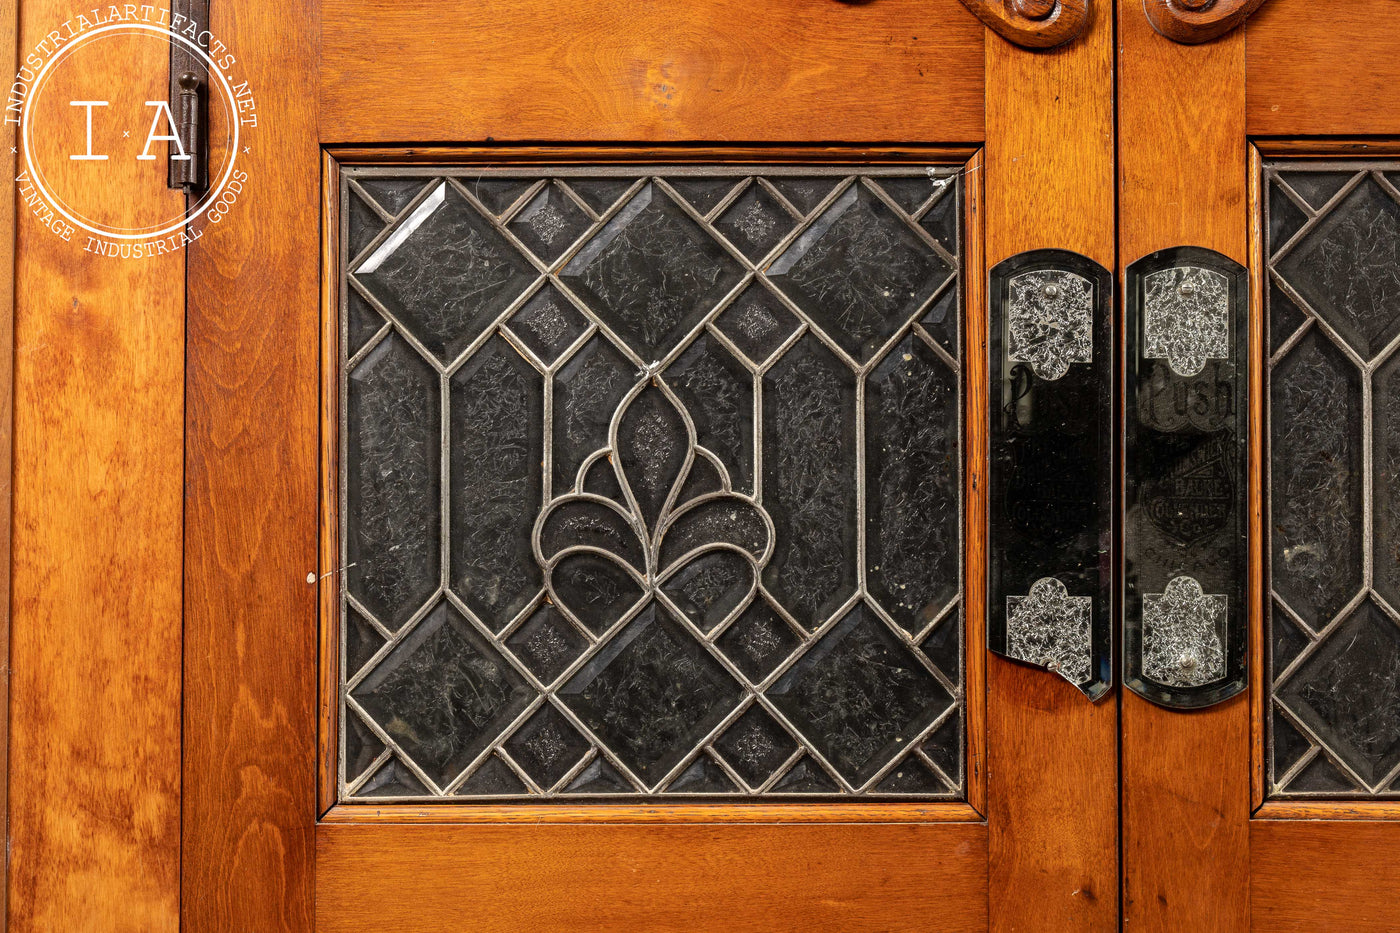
(1333, 249)
(651, 482)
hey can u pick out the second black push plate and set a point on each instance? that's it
(1185, 527)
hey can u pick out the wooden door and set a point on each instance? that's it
(318, 792)
(1275, 810)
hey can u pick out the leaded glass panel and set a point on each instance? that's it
(651, 482)
(1333, 252)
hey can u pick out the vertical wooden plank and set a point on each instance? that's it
(1052, 799)
(1182, 181)
(95, 646)
(250, 662)
(9, 60)
(974, 359)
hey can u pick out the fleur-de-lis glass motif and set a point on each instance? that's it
(653, 525)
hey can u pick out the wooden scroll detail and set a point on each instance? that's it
(1034, 24)
(1194, 21)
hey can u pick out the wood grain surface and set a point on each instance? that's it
(94, 778)
(739, 879)
(1320, 877)
(421, 71)
(1324, 69)
(1186, 777)
(251, 519)
(9, 36)
(1052, 766)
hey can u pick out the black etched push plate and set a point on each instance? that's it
(1185, 529)
(1049, 568)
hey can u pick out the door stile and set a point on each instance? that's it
(1052, 794)
(249, 803)
(1182, 181)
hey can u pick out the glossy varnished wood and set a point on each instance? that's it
(590, 70)
(746, 879)
(1052, 770)
(1328, 69)
(1310, 877)
(94, 743)
(251, 508)
(1195, 21)
(1034, 24)
(975, 423)
(1186, 786)
(9, 35)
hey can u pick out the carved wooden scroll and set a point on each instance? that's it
(1195, 21)
(1035, 24)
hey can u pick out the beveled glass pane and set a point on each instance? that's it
(1333, 499)
(494, 482)
(912, 479)
(607, 440)
(392, 481)
(859, 271)
(810, 464)
(1316, 484)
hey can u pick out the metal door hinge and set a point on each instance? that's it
(189, 106)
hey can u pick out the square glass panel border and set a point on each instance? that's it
(1331, 235)
(651, 482)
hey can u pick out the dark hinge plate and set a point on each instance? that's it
(189, 99)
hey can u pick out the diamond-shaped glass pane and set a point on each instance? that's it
(757, 322)
(443, 694)
(445, 272)
(859, 271)
(758, 641)
(550, 222)
(547, 747)
(652, 694)
(755, 745)
(1348, 692)
(860, 696)
(547, 643)
(755, 222)
(651, 272)
(548, 323)
(1348, 268)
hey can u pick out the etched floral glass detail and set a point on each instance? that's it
(651, 484)
(1334, 436)
(1181, 635)
(1187, 318)
(1050, 321)
(1050, 628)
